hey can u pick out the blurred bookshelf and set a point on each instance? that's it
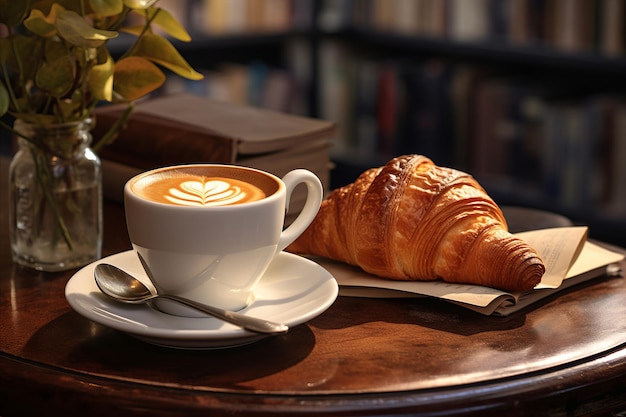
(526, 95)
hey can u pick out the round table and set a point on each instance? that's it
(564, 356)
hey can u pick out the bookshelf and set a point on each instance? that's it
(527, 95)
(257, 52)
(536, 112)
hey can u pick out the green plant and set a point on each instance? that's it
(55, 66)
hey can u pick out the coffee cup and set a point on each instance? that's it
(208, 232)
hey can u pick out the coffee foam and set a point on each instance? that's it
(213, 192)
(191, 187)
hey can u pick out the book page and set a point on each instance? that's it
(362, 284)
(594, 261)
(592, 257)
(558, 248)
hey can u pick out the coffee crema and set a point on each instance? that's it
(199, 191)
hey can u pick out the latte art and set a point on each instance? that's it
(209, 193)
(194, 190)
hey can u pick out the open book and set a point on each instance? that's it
(569, 258)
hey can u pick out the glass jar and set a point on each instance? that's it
(55, 197)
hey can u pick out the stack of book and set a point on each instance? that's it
(184, 129)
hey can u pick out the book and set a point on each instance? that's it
(234, 128)
(611, 36)
(184, 129)
(569, 257)
(469, 19)
(569, 25)
(427, 126)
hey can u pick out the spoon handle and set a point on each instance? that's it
(247, 322)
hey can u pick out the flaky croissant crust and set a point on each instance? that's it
(414, 220)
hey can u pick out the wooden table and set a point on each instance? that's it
(565, 357)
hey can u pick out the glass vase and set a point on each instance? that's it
(55, 197)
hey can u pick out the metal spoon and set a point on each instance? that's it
(123, 287)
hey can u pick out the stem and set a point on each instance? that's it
(15, 132)
(146, 27)
(110, 136)
(42, 176)
(120, 19)
(20, 71)
(9, 87)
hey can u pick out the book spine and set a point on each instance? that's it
(569, 25)
(225, 17)
(427, 120)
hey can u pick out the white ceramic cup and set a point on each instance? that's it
(213, 254)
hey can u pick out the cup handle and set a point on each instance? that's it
(315, 193)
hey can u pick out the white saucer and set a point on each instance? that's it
(292, 291)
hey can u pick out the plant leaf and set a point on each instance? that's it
(73, 108)
(134, 77)
(4, 99)
(82, 7)
(167, 22)
(139, 4)
(77, 31)
(53, 50)
(13, 11)
(43, 25)
(104, 8)
(100, 81)
(56, 77)
(158, 49)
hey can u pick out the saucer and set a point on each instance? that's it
(293, 291)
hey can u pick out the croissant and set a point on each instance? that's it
(414, 220)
